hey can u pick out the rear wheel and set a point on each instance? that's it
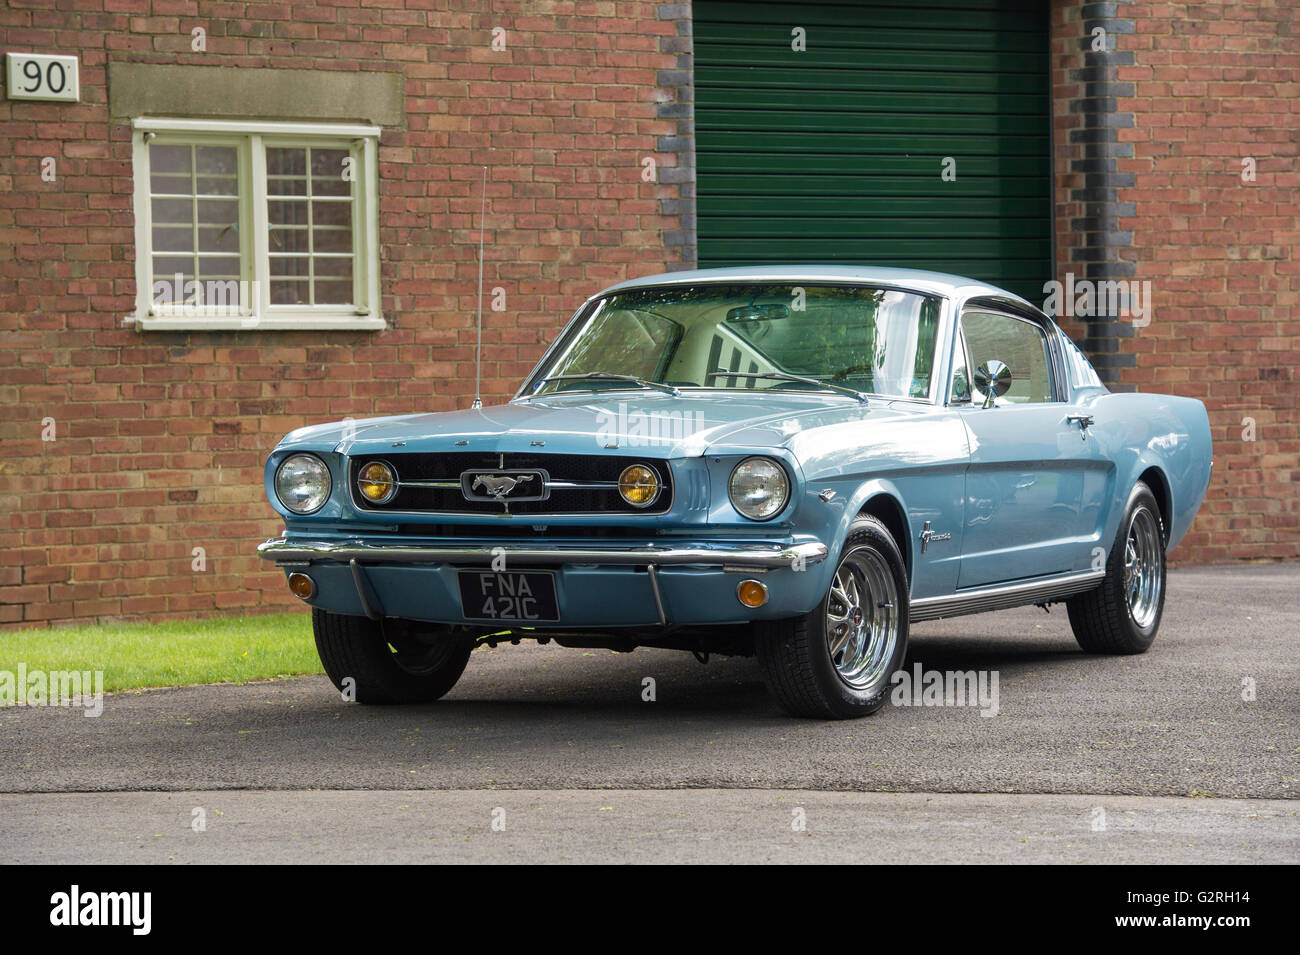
(836, 661)
(390, 660)
(1123, 614)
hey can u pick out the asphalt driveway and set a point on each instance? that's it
(1172, 722)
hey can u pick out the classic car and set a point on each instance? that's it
(791, 462)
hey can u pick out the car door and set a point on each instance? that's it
(1032, 480)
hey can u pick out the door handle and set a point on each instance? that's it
(1084, 421)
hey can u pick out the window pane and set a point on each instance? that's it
(286, 171)
(286, 187)
(960, 377)
(289, 293)
(327, 212)
(219, 239)
(169, 184)
(215, 160)
(166, 266)
(333, 293)
(173, 210)
(311, 238)
(286, 212)
(289, 240)
(286, 162)
(289, 266)
(171, 239)
(218, 212)
(211, 186)
(328, 169)
(1020, 345)
(334, 268)
(219, 267)
(331, 240)
(164, 159)
(195, 211)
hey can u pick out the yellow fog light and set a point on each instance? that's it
(302, 586)
(377, 482)
(751, 593)
(639, 485)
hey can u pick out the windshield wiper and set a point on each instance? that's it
(607, 376)
(786, 376)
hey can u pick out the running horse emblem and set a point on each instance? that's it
(499, 486)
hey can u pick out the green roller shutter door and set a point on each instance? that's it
(835, 154)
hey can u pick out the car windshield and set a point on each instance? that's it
(750, 337)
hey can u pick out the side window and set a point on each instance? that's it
(960, 377)
(1020, 345)
(1081, 369)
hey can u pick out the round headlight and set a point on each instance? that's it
(302, 483)
(377, 482)
(639, 485)
(759, 488)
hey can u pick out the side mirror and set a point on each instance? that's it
(993, 378)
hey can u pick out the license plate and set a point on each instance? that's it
(508, 597)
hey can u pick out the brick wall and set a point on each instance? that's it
(1150, 138)
(161, 437)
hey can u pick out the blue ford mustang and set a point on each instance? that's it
(793, 462)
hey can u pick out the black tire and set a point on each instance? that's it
(1103, 619)
(796, 653)
(390, 660)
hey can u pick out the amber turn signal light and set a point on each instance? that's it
(302, 586)
(751, 593)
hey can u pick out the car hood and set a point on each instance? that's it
(611, 423)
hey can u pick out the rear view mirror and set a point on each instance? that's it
(757, 313)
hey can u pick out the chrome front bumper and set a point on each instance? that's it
(726, 555)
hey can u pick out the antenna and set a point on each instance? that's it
(478, 347)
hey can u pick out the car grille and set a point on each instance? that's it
(447, 468)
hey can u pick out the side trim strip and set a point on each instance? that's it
(1004, 596)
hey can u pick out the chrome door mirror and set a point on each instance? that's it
(993, 379)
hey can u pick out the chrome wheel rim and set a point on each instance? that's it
(862, 618)
(1143, 569)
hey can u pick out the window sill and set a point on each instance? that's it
(255, 323)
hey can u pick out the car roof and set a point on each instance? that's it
(934, 283)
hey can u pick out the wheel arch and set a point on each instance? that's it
(879, 499)
(887, 509)
(1156, 479)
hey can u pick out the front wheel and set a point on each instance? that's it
(1123, 614)
(836, 661)
(390, 660)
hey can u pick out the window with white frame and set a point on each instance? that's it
(256, 225)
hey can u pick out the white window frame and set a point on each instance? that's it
(259, 314)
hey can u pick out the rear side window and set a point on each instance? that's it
(1081, 371)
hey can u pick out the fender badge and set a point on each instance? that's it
(928, 535)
